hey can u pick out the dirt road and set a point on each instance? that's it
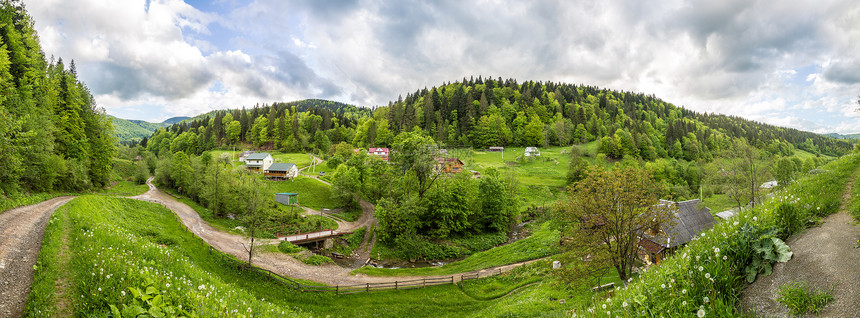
(21, 233)
(825, 258)
(279, 263)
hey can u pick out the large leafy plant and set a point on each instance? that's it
(756, 249)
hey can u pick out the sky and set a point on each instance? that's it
(787, 63)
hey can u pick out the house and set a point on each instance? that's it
(259, 161)
(475, 174)
(244, 155)
(281, 171)
(496, 149)
(449, 165)
(287, 198)
(688, 221)
(382, 153)
(532, 152)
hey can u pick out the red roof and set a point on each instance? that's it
(449, 160)
(374, 150)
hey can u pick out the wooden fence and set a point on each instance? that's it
(357, 288)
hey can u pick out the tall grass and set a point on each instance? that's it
(707, 275)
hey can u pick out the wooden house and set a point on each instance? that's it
(259, 161)
(281, 171)
(688, 221)
(449, 165)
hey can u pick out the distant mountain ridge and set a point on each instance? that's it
(127, 130)
(174, 120)
(840, 136)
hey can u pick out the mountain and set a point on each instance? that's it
(174, 120)
(840, 136)
(128, 130)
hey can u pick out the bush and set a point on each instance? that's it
(800, 300)
(788, 219)
(288, 248)
(317, 260)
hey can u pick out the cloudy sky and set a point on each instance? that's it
(790, 63)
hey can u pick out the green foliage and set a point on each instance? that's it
(788, 220)
(133, 130)
(288, 248)
(800, 299)
(757, 249)
(148, 302)
(316, 260)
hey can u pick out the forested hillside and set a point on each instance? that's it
(495, 112)
(52, 134)
(128, 130)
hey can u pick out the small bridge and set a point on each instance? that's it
(304, 238)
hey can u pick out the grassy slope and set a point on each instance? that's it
(312, 193)
(132, 241)
(543, 242)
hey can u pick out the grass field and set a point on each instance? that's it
(125, 188)
(543, 242)
(114, 244)
(312, 193)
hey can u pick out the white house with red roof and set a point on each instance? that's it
(382, 153)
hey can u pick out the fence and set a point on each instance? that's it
(357, 288)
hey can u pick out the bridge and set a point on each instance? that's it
(304, 238)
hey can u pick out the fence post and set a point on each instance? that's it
(337, 289)
(395, 285)
(452, 280)
(368, 287)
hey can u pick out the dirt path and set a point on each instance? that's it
(280, 263)
(21, 233)
(826, 258)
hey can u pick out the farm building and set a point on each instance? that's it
(689, 221)
(287, 198)
(496, 149)
(449, 165)
(532, 152)
(259, 161)
(281, 171)
(244, 155)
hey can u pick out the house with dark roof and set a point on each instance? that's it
(259, 161)
(688, 220)
(281, 171)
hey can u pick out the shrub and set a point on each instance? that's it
(288, 248)
(317, 260)
(800, 299)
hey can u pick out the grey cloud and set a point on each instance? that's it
(129, 82)
(845, 72)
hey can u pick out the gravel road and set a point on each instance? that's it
(21, 232)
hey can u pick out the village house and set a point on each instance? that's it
(532, 152)
(244, 155)
(687, 222)
(259, 161)
(281, 171)
(382, 153)
(449, 165)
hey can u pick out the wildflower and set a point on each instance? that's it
(604, 306)
(624, 304)
(755, 218)
(123, 293)
(684, 303)
(707, 275)
(701, 313)
(724, 257)
(663, 285)
(684, 291)
(701, 268)
(706, 299)
(716, 250)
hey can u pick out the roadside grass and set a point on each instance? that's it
(120, 243)
(543, 242)
(49, 268)
(719, 203)
(349, 214)
(800, 299)
(8, 203)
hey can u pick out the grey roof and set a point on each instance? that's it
(278, 166)
(689, 221)
(257, 156)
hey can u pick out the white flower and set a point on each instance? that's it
(701, 268)
(684, 303)
(624, 304)
(701, 313)
(684, 291)
(604, 306)
(716, 250)
(630, 279)
(736, 223)
(755, 218)
(663, 285)
(706, 299)
(123, 293)
(707, 275)
(724, 257)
